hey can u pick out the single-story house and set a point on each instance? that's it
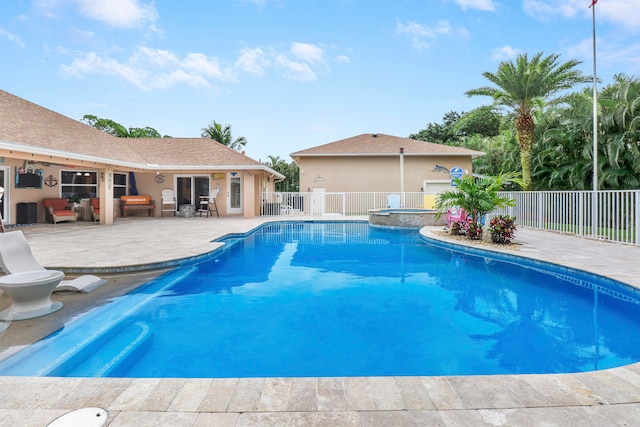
(382, 163)
(44, 154)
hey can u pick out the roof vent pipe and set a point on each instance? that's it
(375, 135)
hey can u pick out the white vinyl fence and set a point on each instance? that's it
(611, 215)
(616, 213)
(349, 204)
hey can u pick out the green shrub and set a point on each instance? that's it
(502, 229)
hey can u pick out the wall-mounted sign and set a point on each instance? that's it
(217, 176)
(456, 172)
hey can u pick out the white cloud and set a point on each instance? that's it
(623, 12)
(119, 13)
(11, 37)
(295, 70)
(505, 52)
(342, 59)
(422, 35)
(207, 67)
(252, 61)
(93, 64)
(115, 13)
(487, 5)
(149, 68)
(261, 4)
(307, 52)
(610, 55)
(79, 36)
(152, 68)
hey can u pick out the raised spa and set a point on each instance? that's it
(408, 218)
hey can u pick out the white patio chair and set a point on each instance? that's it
(168, 202)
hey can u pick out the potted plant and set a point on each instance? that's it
(74, 200)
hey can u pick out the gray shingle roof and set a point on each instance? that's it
(378, 144)
(29, 127)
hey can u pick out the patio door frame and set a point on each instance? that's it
(6, 199)
(198, 185)
(234, 193)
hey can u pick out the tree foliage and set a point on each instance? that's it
(526, 87)
(116, 129)
(290, 170)
(562, 153)
(222, 134)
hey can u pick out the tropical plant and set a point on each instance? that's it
(620, 132)
(289, 170)
(501, 152)
(525, 87)
(563, 152)
(116, 129)
(502, 229)
(222, 134)
(477, 197)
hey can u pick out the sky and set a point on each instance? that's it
(292, 74)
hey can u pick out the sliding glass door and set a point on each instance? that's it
(189, 188)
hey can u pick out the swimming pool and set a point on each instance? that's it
(346, 299)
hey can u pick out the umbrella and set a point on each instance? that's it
(133, 191)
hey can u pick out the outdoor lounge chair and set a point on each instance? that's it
(455, 215)
(393, 201)
(288, 210)
(16, 257)
(94, 204)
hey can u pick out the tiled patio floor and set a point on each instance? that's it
(604, 398)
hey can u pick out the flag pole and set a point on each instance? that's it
(595, 124)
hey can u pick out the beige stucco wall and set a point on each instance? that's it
(254, 183)
(375, 173)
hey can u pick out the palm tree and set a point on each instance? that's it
(526, 87)
(222, 134)
(289, 170)
(477, 197)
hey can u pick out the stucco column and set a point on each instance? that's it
(106, 196)
(248, 196)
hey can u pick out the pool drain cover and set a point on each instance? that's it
(85, 417)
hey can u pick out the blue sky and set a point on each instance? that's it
(291, 74)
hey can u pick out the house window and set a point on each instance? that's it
(119, 185)
(79, 183)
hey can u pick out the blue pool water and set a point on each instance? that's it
(347, 299)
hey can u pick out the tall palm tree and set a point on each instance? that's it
(222, 134)
(526, 87)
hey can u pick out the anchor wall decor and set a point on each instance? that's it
(51, 181)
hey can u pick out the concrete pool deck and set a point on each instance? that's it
(602, 398)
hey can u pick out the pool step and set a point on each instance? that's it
(116, 338)
(110, 354)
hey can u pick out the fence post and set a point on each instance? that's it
(540, 211)
(636, 216)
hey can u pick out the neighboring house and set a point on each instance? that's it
(44, 154)
(381, 163)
